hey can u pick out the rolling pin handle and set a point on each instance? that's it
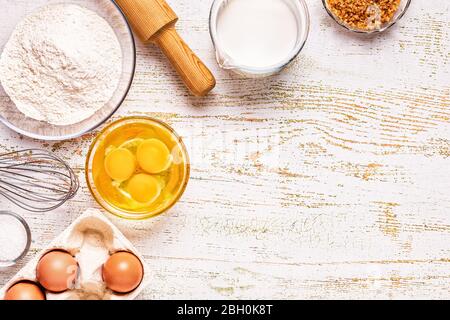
(197, 77)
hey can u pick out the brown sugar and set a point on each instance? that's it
(364, 14)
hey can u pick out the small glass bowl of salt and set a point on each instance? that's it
(15, 238)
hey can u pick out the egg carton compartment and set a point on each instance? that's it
(90, 239)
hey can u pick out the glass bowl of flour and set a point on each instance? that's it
(65, 66)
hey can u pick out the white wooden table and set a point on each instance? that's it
(331, 180)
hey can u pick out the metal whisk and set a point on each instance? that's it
(36, 180)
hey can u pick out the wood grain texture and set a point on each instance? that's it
(147, 17)
(329, 180)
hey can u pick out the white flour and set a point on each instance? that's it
(61, 65)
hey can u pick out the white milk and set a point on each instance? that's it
(257, 33)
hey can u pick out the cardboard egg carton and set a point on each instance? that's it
(91, 238)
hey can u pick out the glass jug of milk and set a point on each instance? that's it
(258, 38)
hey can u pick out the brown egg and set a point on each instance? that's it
(57, 271)
(123, 272)
(25, 290)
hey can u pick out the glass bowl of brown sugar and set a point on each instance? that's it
(366, 16)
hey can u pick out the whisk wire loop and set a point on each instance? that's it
(36, 180)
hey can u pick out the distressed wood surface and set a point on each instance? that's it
(330, 180)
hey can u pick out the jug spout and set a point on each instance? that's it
(225, 62)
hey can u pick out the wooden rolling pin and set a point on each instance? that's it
(154, 20)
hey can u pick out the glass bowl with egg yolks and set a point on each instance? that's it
(137, 168)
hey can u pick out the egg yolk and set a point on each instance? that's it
(144, 188)
(120, 164)
(153, 156)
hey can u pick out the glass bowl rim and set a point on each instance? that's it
(121, 213)
(213, 13)
(107, 117)
(10, 263)
(360, 31)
